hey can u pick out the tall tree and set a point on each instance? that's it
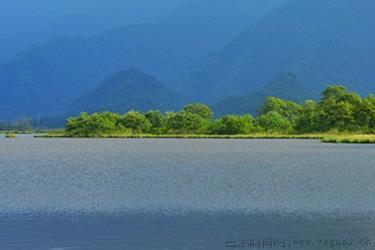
(200, 109)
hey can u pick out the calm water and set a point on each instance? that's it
(185, 194)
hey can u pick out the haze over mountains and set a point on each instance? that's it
(228, 54)
(62, 70)
(32, 22)
(320, 41)
(286, 86)
(126, 90)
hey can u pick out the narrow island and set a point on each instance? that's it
(10, 135)
(338, 117)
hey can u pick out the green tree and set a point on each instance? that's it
(309, 120)
(339, 109)
(184, 122)
(233, 125)
(274, 122)
(334, 92)
(288, 109)
(200, 109)
(96, 124)
(366, 114)
(76, 126)
(157, 121)
(136, 121)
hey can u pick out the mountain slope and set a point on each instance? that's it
(125, 90)
(179, 42)
(45, 79)
(44, 90)
(320, 41)
(286, 86)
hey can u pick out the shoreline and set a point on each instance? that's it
(325, 138)
(349, 139)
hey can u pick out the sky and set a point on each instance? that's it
(33, 16)
(24, 23)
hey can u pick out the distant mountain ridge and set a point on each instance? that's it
(25, 23)
(126, 90)
(286, 86)
(44, 80)
(228, 57)
(322, 42)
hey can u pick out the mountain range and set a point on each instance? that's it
(228, 54)
(321, 42)
(46, 79)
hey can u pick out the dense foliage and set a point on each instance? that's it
(338, 110)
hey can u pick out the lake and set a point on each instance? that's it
(185, 194)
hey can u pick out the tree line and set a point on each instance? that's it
(338, 110)
(20, 125)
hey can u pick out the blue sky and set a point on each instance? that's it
(76, 17)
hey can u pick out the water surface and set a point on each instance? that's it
(185, 194)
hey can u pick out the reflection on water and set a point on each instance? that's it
(188, 231)
(185, 194)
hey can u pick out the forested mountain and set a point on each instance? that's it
(126, 90)
(286, 86)
(320, 41)
(44, 80)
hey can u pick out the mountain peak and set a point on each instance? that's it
(125, 90)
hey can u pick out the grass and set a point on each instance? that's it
(250, 136)
(17, 132)
(365, 139)
(10, 135)
(188, 136)
(325, 137)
